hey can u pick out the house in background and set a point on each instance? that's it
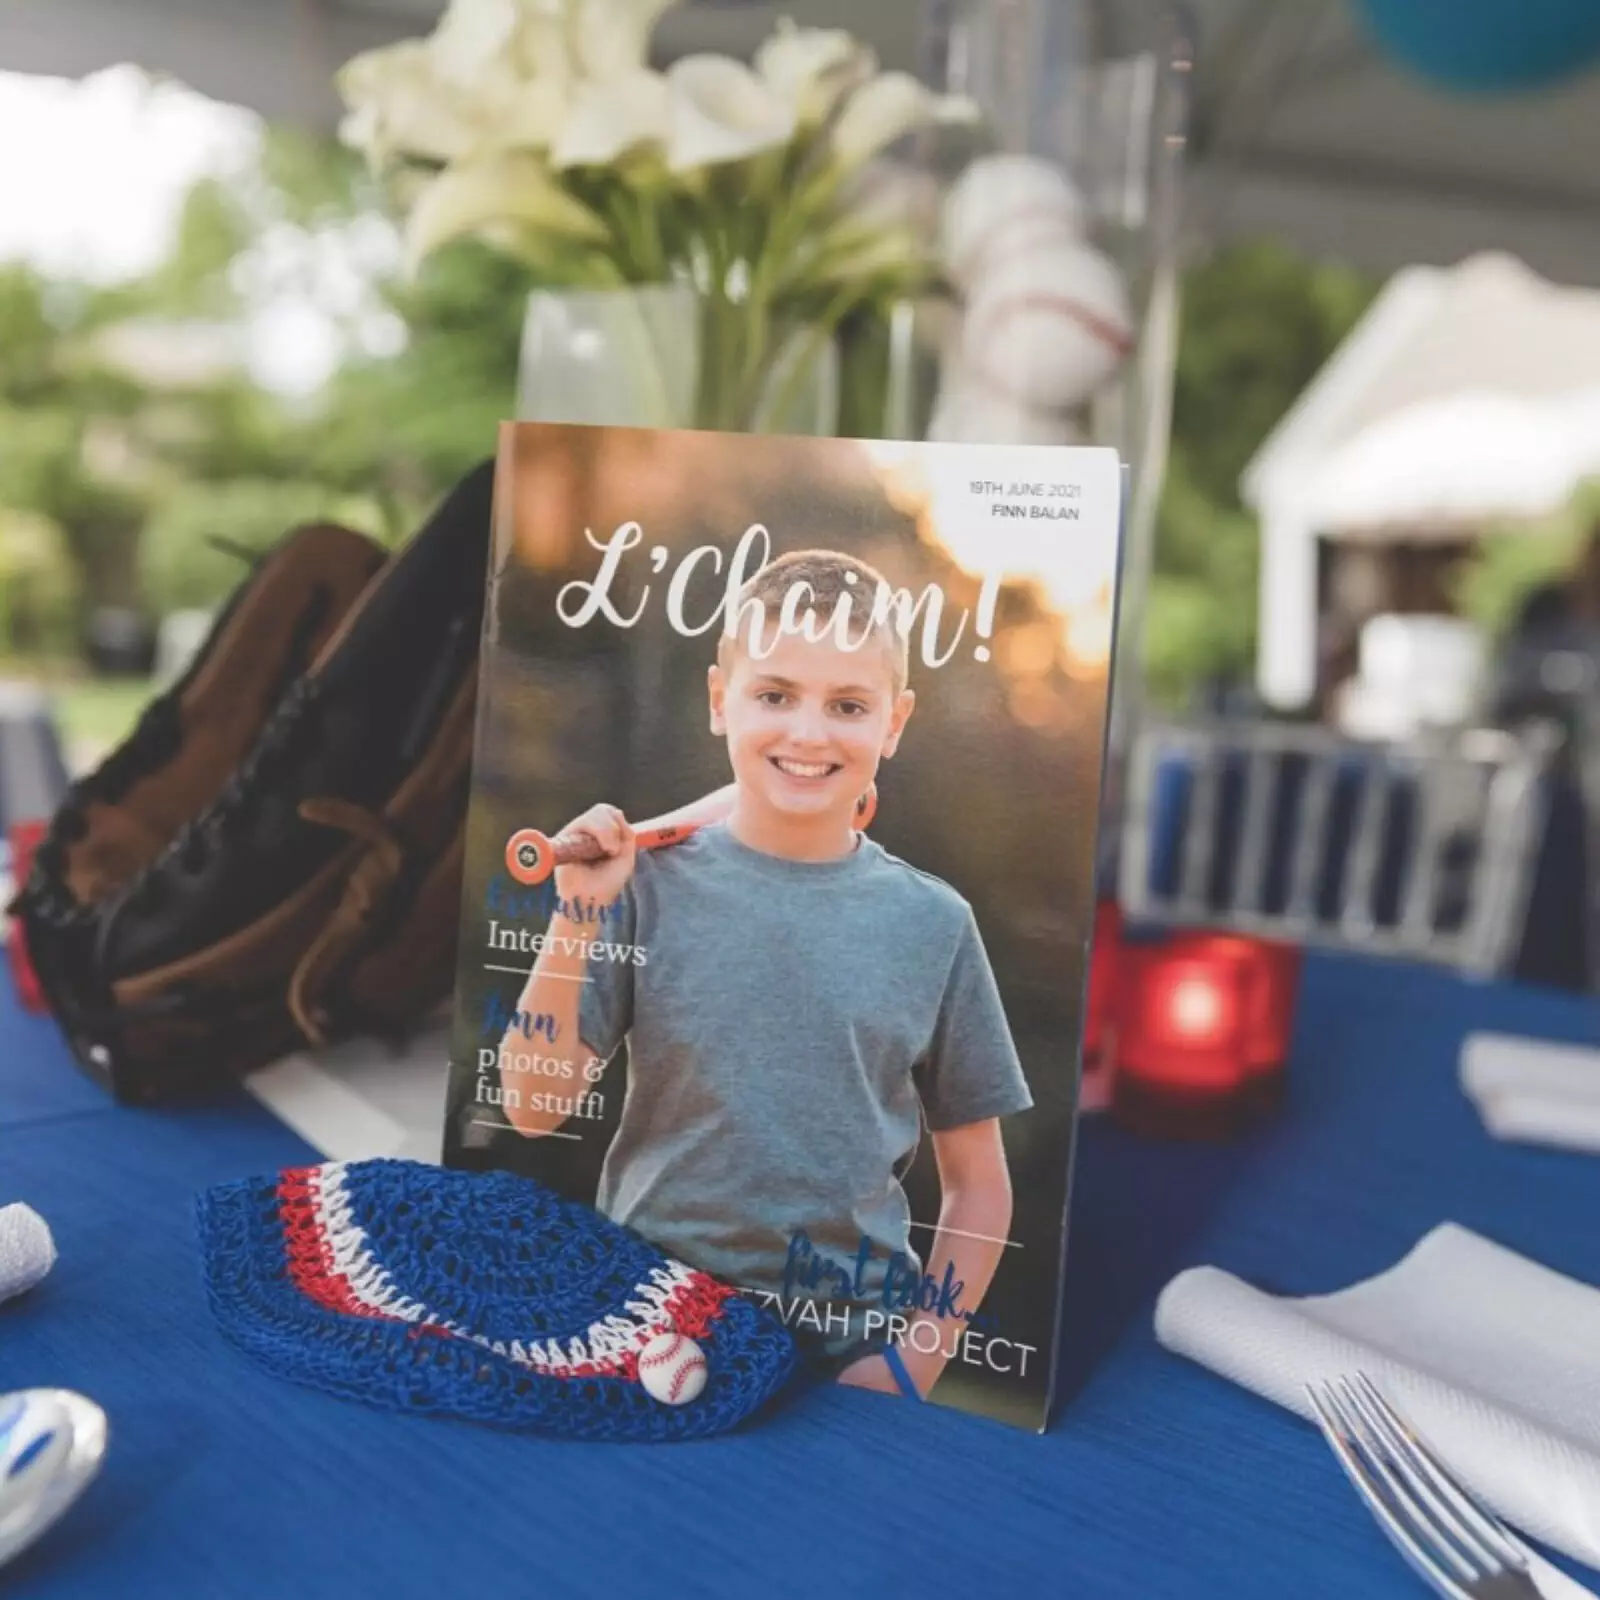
(1464, 398)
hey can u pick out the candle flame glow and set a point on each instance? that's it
(1194, 1007)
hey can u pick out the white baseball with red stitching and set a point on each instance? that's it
(1003, 205)
(1048, 327)
(672, 1369)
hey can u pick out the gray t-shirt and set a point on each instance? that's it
(791, 1027)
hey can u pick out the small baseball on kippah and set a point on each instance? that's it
(672, 1369)
(27, 1252)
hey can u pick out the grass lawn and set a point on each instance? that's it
(92, 714)
(100, 711)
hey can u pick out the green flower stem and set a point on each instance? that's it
(818, 336)
(759, 246)
(724, 399)
(775, 241)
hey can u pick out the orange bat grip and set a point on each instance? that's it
(531, 857)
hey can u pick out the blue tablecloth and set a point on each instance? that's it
(1158, 1479)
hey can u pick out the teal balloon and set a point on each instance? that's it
(1488, 46)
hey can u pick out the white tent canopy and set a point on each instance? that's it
(1300, 128)
(1462, 397)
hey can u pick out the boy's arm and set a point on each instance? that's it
(970, 1078)
(974, 1224)
(555, 990)
(555, 987)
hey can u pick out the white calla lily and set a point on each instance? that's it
(399, 106)
(362, 130)
(509, 188)
(609, 118)
(721, 111)
(611, 38)
(471, 36)
(529, 83)
(519, 111)
(883, 112)
(540, 44)
(812, 67)
(361, 78)
(512, 56)
(531, 118)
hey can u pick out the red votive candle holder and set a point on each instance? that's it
(1099, 1002)
(1101, 990)
(1272, 975)
(1181, 1030)
(24, 838)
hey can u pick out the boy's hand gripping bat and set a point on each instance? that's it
(531, 856)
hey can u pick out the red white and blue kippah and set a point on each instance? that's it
(476, 1295)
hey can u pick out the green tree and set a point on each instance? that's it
(145, 467)
(117, 463)
(1259, 321)
(415, 421)
(1513, 559)
(71, 424)
(38, 597)
(391, 431)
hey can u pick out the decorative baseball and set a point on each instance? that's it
(1049, 327)
(969, 413)
(1004, 206)
(672, 1369)
(532, 856)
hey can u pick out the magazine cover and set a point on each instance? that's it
(779, 878)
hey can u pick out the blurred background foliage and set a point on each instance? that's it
(143, 461)
(1258, 323)
(1515, 560)
(142, 458)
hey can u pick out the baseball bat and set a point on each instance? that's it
(532, 856)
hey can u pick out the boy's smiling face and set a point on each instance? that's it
(807, 725)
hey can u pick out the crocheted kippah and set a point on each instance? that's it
(478, 1295)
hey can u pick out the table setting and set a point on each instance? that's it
(1164, 1470)
(1329, 1319)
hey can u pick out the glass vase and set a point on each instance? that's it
(665, 356)
(618, 357)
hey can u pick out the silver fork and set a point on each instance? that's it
(1449, 1538)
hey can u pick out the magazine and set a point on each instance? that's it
(780, 873)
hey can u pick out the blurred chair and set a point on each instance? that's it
(1424, 848)
(1586, 752)
(33, 775)
(1547, 675)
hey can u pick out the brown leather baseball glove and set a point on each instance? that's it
(315, 892)
(116, 819)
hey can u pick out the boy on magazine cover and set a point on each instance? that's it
(809, 1001)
